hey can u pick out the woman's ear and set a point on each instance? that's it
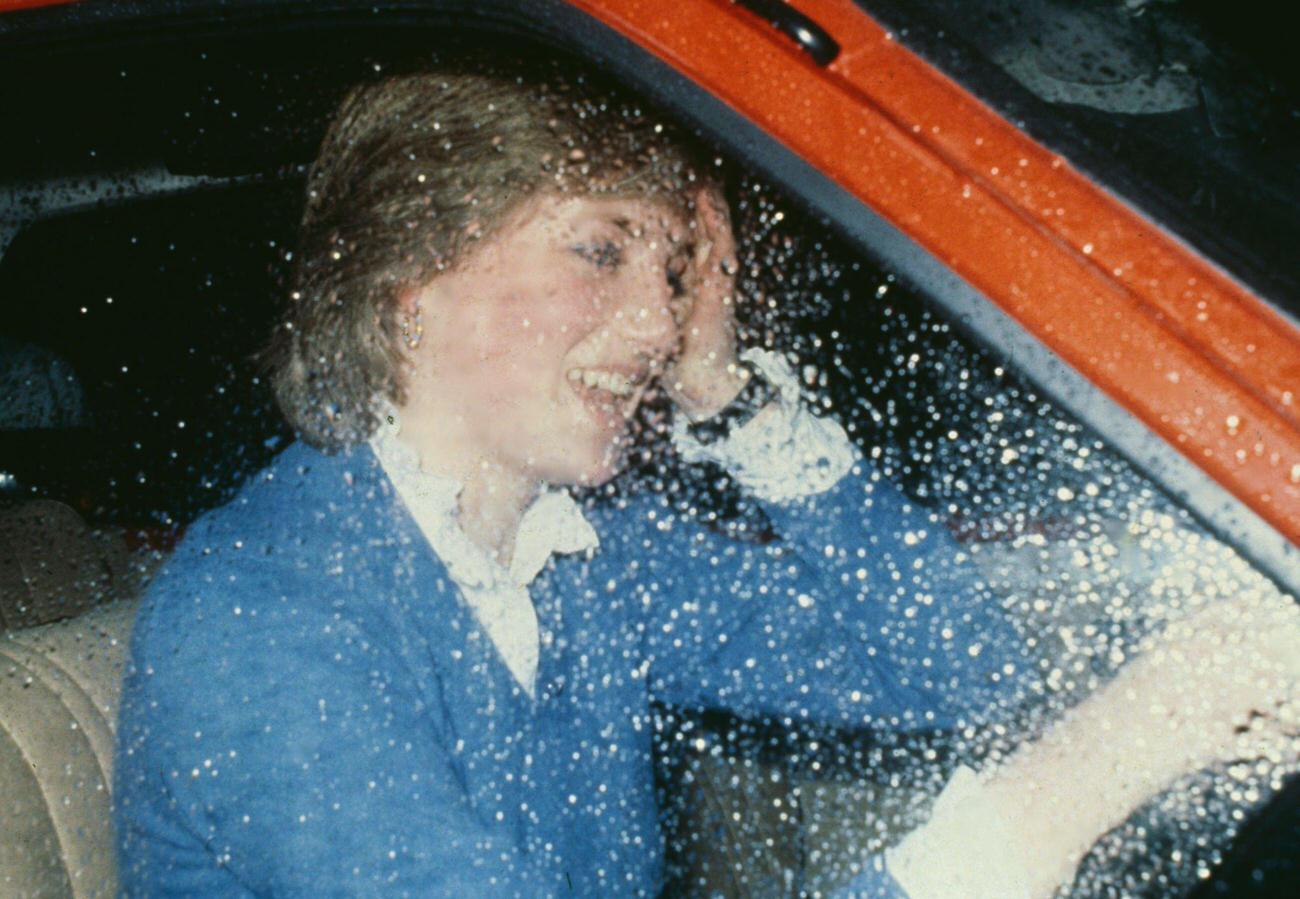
(406, 300)
(410, 315)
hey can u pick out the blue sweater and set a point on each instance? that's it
(311, 709)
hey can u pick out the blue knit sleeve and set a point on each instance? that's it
(864, 612)
(271, 743)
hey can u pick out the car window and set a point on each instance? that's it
(1185, 108)
(1081, 552)
(135, 314)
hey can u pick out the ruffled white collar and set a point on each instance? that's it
(552, 524)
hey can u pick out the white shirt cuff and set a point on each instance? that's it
(785, 453)
(965, 849)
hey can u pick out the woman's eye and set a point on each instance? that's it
(605, 254)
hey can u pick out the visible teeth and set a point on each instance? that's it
(610, 381)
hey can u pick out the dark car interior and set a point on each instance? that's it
(150, 188)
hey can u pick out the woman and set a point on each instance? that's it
(404, 662)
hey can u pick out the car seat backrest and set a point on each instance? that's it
(59, 689)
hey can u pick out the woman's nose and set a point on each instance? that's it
(645, 318)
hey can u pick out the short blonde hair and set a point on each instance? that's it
(412, 170)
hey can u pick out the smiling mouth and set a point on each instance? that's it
(608, 391)
(604, 380)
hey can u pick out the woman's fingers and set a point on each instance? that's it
(703, 250)
(703, 378)
(715, 246)
(713, 221)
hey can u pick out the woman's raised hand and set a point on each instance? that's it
(703, 377)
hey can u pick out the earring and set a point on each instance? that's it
(412, 335)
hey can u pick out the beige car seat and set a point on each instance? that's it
(63, 636)
(59, 688)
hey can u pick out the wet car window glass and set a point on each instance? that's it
(1082, 552)
(131, 330)
(1186, 108)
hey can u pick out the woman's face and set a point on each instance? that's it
(540, 345)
